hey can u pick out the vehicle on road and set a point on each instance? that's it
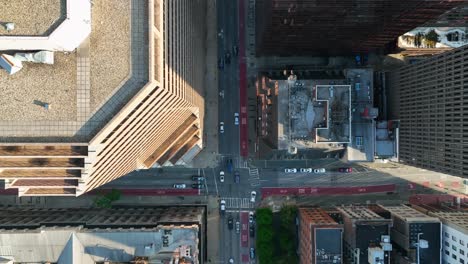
(308, 170)
(320, 170)
(221, 176)
(229, 165)
(237, 227)
(230, 222)
(227, 57)
(251, 217)
(251, 231)
(236, 177)
(236, 119)
(253, 195)
(290, 170)
(222, 206)
(346, 170)
(235, 50)
(221, 127)
(179, 185)
(197, 186)
(220, 63)
(252, 253)
(231, 261)
(198, 178)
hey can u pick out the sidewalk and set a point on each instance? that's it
(208, 157)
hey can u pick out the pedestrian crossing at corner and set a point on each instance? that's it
(254, 177)
(236, 162)
(237, 203)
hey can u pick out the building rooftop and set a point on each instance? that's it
(408, 214)
(317, 216)
(32, 18)
(83, 88)
(359, 212)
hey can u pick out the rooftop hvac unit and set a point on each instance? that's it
(46, 57)
(10, 63)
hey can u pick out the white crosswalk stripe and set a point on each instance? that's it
(254, 177)
(237, 203)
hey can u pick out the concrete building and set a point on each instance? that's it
(88, 236)
(365, 233)
(454, 229)
(130, 96)
(412, 229)
(300, 27)
(321, 237)
(428, 98)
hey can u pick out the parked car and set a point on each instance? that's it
(220, 63)
(320, 170)
(227, 57)
(229, 165)
(197, 186)
(222, 206)
(346, 170)
(308, 170)
(221, 176)
(180, 185)
(251, 217)
(237, 227)
(230, 223)
(221, 127)
(197, 178)
(253, 196)
(236, 119)
(231, 261)
(236, 177)
(290, 170)
(252, 253)
(252, 231)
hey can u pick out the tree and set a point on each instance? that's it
(104, 200)
(432, 36)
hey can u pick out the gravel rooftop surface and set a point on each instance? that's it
(53, 84)
(110, 48)
(31, 17)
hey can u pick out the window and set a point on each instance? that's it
(454, 238)
(462, 261)
(447, 244)
(462, 242)
(462, 252)
(446, 234)
(447, 253)
(454, 247)
(454, 256)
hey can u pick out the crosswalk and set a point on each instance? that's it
(254, 177)
(236, 162)
(237, 203)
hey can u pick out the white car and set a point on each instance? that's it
(231, 261)
(221, 127)
(237, 227)
(320, 170)
(222, 206)
(221, 176)
(180, 186)
(308, 170)
(253, 195)
(251, 217)
(293, 170)
(236, 119)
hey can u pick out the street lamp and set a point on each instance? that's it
(420, 244)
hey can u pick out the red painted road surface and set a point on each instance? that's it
(311, 191)
(151, 192)
(244, 216)
(244, 149)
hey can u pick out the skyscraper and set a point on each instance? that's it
(312, 27)
(129, 96)
(429, 99)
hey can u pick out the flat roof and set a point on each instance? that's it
(32, 18)
(83, 88)
(408, 214)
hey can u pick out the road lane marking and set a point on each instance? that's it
(216, 184)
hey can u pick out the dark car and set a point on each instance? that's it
(236, 177)
(252, 231)
(229, 165)
(252, 253)
(220, 64)
(197, 186)
(235, 50)
(197, 178)
(227, 57)
(230, 223)
(346, 170)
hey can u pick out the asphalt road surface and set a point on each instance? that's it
(228, 77)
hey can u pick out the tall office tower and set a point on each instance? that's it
(317, 27)
(118, 87)
(429, 99)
